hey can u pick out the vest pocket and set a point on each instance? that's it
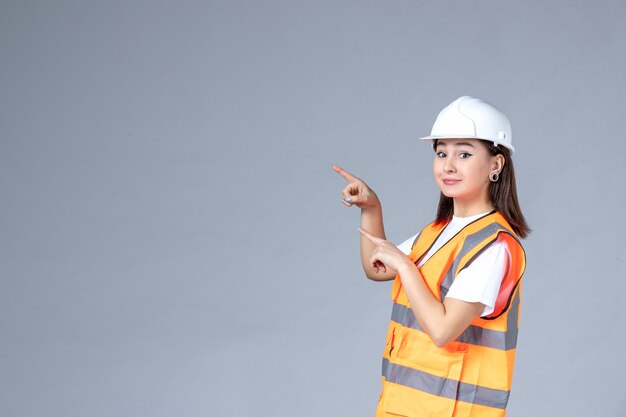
(423, 379)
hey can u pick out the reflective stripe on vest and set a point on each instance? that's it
(444, 387)
(475, 335)
(477, 367)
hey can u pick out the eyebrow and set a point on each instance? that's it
(456, 144)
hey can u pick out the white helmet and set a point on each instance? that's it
(469, 117)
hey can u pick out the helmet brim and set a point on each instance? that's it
(450, 137)
(509, 147)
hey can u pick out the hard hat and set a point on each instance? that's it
(473, 118)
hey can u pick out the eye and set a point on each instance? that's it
(440, 154)
(464, 155)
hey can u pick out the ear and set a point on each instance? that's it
(497, 163)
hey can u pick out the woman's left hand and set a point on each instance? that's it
(385, 254)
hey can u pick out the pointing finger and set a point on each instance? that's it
(349, 177)
(370, 236)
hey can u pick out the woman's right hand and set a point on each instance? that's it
(357, 192)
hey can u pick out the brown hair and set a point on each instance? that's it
(503, 194)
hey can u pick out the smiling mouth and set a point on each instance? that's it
(450, 182)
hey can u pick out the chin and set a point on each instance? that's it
(448, 193)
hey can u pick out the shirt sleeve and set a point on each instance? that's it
(407, 245)
(480, 281)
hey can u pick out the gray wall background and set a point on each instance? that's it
(172, 237)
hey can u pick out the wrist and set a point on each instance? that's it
(406, 266)
(373, 209)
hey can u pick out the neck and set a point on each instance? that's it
(471, 208)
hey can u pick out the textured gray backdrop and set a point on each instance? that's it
(172, 238)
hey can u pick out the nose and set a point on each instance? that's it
(449, 165)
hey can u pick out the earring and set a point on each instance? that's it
(494, 177)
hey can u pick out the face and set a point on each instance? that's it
(462, 167)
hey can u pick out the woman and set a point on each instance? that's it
(456, 292)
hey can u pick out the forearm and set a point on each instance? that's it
(429, 312)
(442, 321)
(372, 221)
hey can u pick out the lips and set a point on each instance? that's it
(450, 181)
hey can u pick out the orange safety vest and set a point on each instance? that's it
(471, 376)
